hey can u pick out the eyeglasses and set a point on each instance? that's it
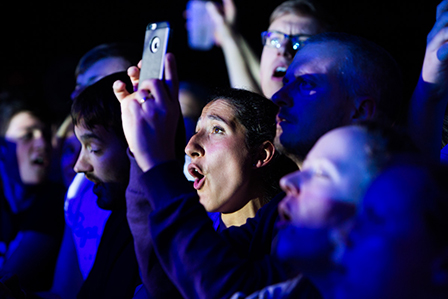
(275, 39)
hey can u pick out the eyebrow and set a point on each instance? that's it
(216, 117)
(89, 136)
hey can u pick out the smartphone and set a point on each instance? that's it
(199, 26)
(153, 59)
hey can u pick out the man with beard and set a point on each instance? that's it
(103, 160)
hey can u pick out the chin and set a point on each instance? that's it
(110, 196)
(283, 246)
(34, 177)
(208, 206)
(283, 249)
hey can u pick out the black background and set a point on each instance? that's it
(42, 42)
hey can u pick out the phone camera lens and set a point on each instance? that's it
(155, 44)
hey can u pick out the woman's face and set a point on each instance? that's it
(33, 149)
(221, 164)
(275, 61)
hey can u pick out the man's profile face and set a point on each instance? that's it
(103, 157)
(312, 100)
(322, 196)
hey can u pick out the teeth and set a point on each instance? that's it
(281, 69)
(195, 173)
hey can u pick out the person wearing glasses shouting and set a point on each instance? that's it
(291, 23)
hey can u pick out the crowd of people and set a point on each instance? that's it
(300, 180)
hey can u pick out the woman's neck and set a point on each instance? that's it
(239, 217)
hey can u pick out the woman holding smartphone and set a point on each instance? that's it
(232, 152)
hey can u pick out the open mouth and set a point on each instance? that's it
(40, 161)
(196, 173)
(280, 119)
(279, 72)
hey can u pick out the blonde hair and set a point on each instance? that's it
(301, 8)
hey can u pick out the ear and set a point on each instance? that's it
(440, 271)
(264, 154)
(364, 108)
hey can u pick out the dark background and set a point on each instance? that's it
(42, 42)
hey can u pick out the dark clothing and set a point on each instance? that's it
(115, 271)
(297, 288)
(44, 215)
(157, 283)
(201, 262)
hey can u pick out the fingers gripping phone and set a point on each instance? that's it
(156, 42)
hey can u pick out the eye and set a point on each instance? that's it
(320, 173)
(306, 87)
(93, 150)
(27, 136)
(217, 130)
(274, 41)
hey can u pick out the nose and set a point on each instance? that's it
(82, 164)
(291, 183)
(286, 49)
(194, 148)
(281, 98)
(39, 141)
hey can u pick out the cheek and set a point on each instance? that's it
(103, 167)
(267, 56)
(319, 209)
(228, 170)
(23, 154)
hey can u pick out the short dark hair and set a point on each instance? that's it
(127, 51)
(368, 70)
(97, 105)
(257, 115)
(254, 112)
(385, 144)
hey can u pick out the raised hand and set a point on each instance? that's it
(224, 20)
(430, 97)
(435, 65)
(150, 116)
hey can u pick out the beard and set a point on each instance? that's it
(110, 196)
